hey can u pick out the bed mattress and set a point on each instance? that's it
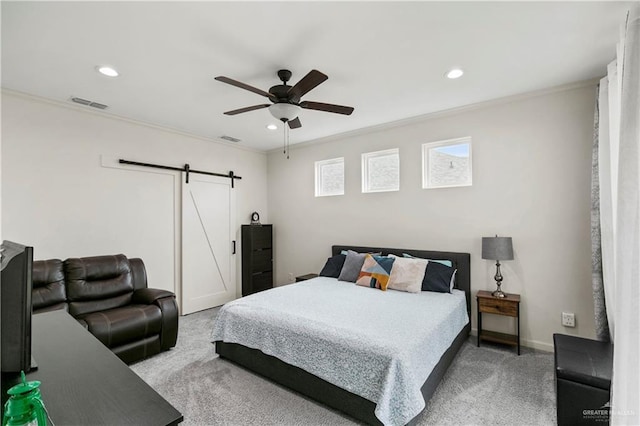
(379, 345)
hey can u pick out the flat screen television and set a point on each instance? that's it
(15, 307)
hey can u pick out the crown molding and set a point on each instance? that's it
(104, 114)
(352, 133)
(445, 113)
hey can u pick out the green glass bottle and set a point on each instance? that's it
(24, 407)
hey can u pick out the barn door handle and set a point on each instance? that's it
(234, 246)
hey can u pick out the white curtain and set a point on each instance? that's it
(619, 171)
(607, 192)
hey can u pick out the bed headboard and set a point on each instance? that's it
(461, 261)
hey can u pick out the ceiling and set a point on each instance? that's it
(386, 59)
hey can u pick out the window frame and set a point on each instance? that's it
(318, 176)
(365, 157)
(428, 146)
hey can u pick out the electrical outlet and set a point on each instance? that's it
(568, 319)
(290, 277)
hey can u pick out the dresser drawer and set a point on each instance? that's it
(262, 281)
(261, 237)
(261, 260)
(498, 306)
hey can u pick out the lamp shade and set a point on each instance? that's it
(284, 111)
(497, 248)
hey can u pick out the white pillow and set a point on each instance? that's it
(407, 274)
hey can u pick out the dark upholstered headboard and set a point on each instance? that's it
(461, 261)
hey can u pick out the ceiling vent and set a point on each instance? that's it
(230, 138)
(89, 103)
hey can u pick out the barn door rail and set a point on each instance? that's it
(187, 169)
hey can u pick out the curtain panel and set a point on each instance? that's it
(618, 134)
(597, 280)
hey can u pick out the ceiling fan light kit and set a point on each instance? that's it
(284, 111)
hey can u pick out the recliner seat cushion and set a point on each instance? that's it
(98, 283)
(48, 291)
(118, 326)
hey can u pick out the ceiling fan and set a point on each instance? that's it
(286, 104)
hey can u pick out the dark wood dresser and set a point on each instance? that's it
(84, 383)
(257, 258)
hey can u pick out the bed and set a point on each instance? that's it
(318, 337)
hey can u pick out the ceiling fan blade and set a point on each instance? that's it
(308, 82)
(243, 86)
(295, 123)
(319, 106)
(247, 109)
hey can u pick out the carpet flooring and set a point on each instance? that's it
(489, 385)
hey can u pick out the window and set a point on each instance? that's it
(330, 177)
(381, 171)
(446, 163)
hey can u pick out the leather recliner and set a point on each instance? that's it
(109, 296)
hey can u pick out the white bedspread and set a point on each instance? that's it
(378, 345)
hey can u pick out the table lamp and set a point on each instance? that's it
(497, 248)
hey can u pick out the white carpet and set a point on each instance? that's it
(489, 385)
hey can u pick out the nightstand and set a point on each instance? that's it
(506, 306)
(305, 277)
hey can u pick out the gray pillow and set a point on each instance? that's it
(352, 266)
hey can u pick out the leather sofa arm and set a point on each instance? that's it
(169, 334)
(166, 301)
(148, 296)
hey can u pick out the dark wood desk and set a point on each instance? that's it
(84, 383)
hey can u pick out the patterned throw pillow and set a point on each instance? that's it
(407, 274)
(375, 272)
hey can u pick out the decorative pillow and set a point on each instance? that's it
(375, 272)
(438, 278)
(352, 266)
(444, 262)
(333, 267)
(453, 281)
(407, 274)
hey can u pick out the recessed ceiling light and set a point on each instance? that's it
(272, 127)
(454, 73)
(108, 71)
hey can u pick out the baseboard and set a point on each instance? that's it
(533, 344)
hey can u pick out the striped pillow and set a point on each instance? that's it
(375, 272)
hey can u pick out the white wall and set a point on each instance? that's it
(58, 196)
(531, 181)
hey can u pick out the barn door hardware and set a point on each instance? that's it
(186, 169)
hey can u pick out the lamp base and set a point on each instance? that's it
(499, 293)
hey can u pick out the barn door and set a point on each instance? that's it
(208, 231)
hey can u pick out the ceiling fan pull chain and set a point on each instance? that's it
(286, 129)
